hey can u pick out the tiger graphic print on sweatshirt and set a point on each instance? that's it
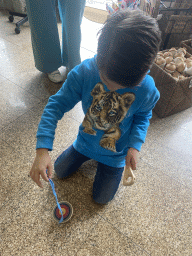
(106, 112)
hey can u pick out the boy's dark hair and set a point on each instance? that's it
(127, 46)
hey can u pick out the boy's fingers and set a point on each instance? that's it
(39, 184)
(50, 170)
(36, 178)
(133, 164)
(128, 161)
(44, 175)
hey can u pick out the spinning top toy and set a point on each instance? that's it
(63, 211)
(67, 212)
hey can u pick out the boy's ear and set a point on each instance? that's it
(98, 89)
(128, 98)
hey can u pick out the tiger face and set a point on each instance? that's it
(106, 112)
(108, 108)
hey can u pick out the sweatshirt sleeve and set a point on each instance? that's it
(141, 118)
(63, 101)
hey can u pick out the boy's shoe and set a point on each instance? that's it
(58, 76)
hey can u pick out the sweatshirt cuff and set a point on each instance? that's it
(44, 142)
(136, 145)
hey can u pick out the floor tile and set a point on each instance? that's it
(7, 30)
(65, 134)
(5, 150)
(15, 167)
(174, 133)
(21, 134)
(106, 239)
(168, 146)
(36, 83)
(89, 31)
(86, 54)
(21, 222)
(178, 119)
(4, 44)
(154, 118)
(16, 59)
(88, 169)
(27, 223)
(76, 113)
(90, 250)
(14, 101)
(176, 165)
(154, 204)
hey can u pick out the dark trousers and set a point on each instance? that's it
(49, 54)
(107, 178)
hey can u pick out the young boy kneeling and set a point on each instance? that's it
(117, 98)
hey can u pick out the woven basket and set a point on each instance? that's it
(183, 4)
(175, 28)
(188, 45)
(175, 96)
(178, 24)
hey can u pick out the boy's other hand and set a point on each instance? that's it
(41, 163)
(132, 158)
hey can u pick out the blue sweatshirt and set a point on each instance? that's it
(114, 120)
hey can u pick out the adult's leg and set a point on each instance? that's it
(71, 13)
(44, 34)
(68, 162)
(106, 183)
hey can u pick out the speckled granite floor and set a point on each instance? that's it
(153, 217)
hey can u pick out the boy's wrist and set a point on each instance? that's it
(134, 149)
(41, 150)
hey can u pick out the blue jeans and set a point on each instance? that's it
(107, 178)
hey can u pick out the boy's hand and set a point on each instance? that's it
(131, 158)
(41, 163)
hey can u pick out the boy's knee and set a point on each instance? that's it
(55, 164)
(100, 202)
(57, 171)
(58, 175)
